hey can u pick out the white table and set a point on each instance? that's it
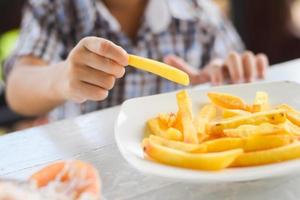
(91, 138)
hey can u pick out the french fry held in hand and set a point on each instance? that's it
(204, 161)
(273, 116)
(240, 135)
(158, 68)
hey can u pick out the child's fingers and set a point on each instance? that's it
(195, 75)
(249, 65)
(235, 68)
(106, 49)
(262, 64)
(179, 63)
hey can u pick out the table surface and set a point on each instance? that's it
(91, 138)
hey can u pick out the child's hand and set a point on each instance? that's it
(236, 68)
(91, 69)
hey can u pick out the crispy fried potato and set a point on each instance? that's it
(182, 146)
(291, 128)
(173, 134)
(250, 130)
(223, 144)
(253, 143)
(244, 130)
(287, 152)
(158, 68)
(156, 128)
(171, 120)
(167, 119)
(205, 137)
(292, 114)
(273, 116)
(204, 161)
(228, 101)
(207, 113)
(261, 102)
(228, 113)
(256, 143)
(178, 122)
(244, 135)
(185, 110)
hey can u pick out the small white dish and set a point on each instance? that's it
(129, 132)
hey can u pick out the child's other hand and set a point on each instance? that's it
(236, 68)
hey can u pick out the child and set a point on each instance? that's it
(75, 51)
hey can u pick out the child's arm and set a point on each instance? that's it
(89, 72)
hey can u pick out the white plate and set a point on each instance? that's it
(129, 131)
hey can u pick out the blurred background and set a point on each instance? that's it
(268, 26)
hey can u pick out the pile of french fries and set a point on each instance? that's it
(227, 132)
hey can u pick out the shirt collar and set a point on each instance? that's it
(158, 14)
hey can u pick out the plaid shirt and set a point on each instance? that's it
(192, 29)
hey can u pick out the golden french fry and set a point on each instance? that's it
(168, 119)
(155, 127)
(244, 130)
(204, 137)
(228, 101)
(248, 135)
(173, 134)
(273, 116)
(292, 114)
(228, 113)
(178, 122)
(223, 144)
(261, 102)
(257, 143)
(291, 128)
(247, 130)
(204, 161)
(207, 113)
(160, 69)
(185, 111)
(182, 146)
(283, 153)
(253, 143)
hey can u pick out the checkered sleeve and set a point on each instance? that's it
(39, 34)
(226, 39)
